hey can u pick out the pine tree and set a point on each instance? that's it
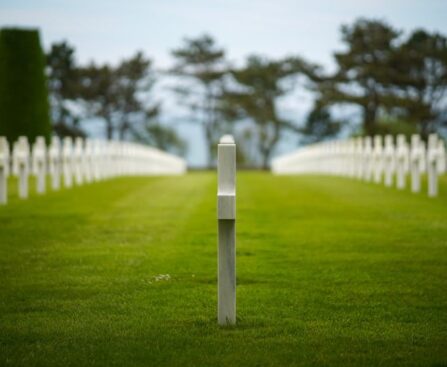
(24, 108)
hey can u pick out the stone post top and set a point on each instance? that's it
(226, 139)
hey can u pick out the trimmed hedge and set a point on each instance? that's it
(24, 107)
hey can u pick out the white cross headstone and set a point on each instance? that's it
(21, 157)
(367, 159)
(350, 157)
(358, 160)
(39, 164)
(442, 159)
(79, 160)
(88, 161)
(96, 160)
(401, 161)
(417, 156)
(4, 169)
(226, 214)
(54, 162)
(378, 159)
(67, 161)
(389, 160)
(433, 164)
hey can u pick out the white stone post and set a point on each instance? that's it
(21, 156)
(432, 165)
(4, 169)
(226, 214)
(39, 164)
(54, 161)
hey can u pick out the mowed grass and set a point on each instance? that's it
(331, 272)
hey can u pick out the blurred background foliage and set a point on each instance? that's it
(393, 82)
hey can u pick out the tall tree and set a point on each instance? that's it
(364, 77)
(24, 108)
(121, 95)
(319, 125)
(201, 64)
(420, 65)
(63, 85)
(135, 79)
(260, 84)
(160, 136)
(99, 95)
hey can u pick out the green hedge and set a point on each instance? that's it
(24, 108)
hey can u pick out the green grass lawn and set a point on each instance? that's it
(331, 272)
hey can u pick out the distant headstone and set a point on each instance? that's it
(378, 158)
(78, 156)
(417, 156)
(4, 169)
(442, 159)
(55, 162)
(402, 160)
(389, 160)
(367, 159)
(433, 163)
(39, 169)
(67, 161)
(88, 161)
(358, 162)
(21, 158)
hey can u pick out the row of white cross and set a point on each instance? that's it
(372, 159)
(78, 161)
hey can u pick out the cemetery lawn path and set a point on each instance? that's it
(331, 272)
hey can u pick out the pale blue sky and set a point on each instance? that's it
(108, 30)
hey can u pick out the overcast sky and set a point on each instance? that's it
(108, 30)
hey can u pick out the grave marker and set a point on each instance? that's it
(401, 161)
(21, 156)
(389, 160)
(226, 214)
(88, 160)
(378, 159)
(4, 169)
(54, 162)
(367, 159)
(78, 158)
(358, 158)
(67, 161)
(432, 164)
(39, 164)
(441, 157)
(416, 157)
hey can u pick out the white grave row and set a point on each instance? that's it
(78, 161)
(372, 159)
